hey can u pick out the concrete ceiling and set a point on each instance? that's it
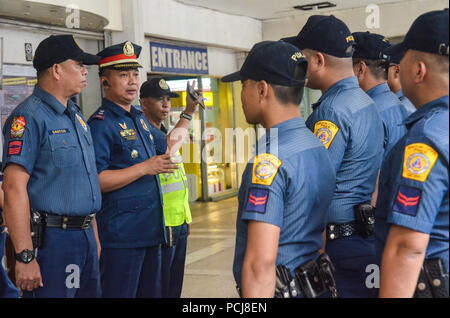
(277, 9)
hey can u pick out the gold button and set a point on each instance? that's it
(436, 282)
(64, 226)
(332, 236)
(421, 286)
(66, 219)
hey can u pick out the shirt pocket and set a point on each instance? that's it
(133, 151)
(65, 151)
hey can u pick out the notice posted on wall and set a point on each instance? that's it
(18, 82)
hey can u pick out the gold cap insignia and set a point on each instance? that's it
(128, 49)
(163, 84)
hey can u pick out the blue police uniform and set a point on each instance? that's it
(414, 181)
(131, 221)
(7, 288)
(410, 108)
(392, 113)
(296, 200)
(346, 120)
(54, 145)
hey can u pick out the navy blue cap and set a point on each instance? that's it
(326, 34)
(428, 33)
(156, 87)
(59, 48)
(371, 46)
(272, 61)
(123, 55)
(396, 57)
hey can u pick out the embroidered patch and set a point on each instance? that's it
(265, 168)
(18, 127)
(98, 116)
(58, 131)
(407, 200)
(128, 134)
(326, 131)
(123, 126)
(15, 147)
(83, 124)
(418, 160)
(257, 200)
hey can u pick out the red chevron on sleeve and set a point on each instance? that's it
(406, 201)
(257, 201)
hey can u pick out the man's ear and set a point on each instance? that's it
(263, 89)
(319, 59)
(55, 71)
(420, 71)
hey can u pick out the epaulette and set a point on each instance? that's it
(100, 114)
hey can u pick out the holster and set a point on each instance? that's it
(433, 280)
(365, 219)
(37, 228)
(286, 286)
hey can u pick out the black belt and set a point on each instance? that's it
(69, 222)
(336, 231)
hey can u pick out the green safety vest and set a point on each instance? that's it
(175, 197)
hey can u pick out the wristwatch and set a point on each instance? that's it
(185, 116)
(26, 256)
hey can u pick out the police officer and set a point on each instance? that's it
(49, 168)
(131, 224)
(155, 97)
(412, 210)
(286, 190)
(394, 81)
(345, 119)
(370, 65)
(7, 288)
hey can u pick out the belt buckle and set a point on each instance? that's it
(87, 221)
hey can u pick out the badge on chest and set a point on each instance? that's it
(127, 134)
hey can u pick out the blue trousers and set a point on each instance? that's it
(173, 260)
(7, 288)
(131, 272)
(351, 256)
(69, 265)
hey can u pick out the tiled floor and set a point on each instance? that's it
(210, 251)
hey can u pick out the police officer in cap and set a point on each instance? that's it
(287, 188)
(131, 223)
(345, 119)
(370, 65)
(49, 166)
(412, 226)
(394, 81)
(155, 97)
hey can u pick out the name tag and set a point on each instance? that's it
(58, 131)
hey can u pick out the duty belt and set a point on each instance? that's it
(69, 222)
(336, 231)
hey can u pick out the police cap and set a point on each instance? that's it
(428, 33)
(272, 61)
(156, 87)
(370, 46)
(123, 55)
(59, 48)
(326, 34)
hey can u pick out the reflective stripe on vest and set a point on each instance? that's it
(172, 187)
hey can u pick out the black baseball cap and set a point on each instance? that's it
(58, 48)
(156, 87)
(272, 61)
(428, 33)
(371, 46)
(326, 34)
(396, 57)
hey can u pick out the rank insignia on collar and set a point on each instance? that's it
(18, 127)
(123, 126)
(83, 124)
(418, 161)
(144, 125)
(265, 168)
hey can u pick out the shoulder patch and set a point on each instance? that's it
(418, 161)
(265, 168)
(407, 200)
(326, 131)
(18, 127)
